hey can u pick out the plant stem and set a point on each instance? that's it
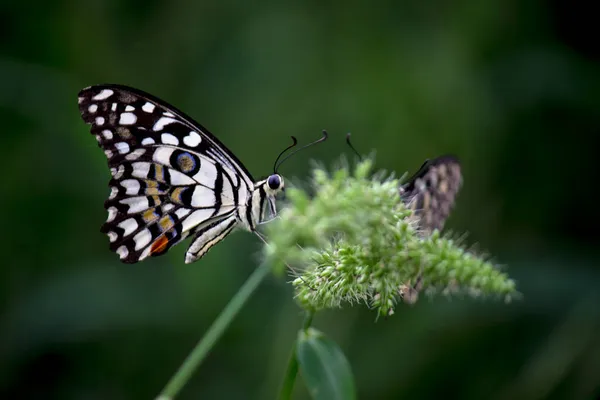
(287, 386)
(215, 331)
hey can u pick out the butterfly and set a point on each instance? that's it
(171, 178)
(431, 193)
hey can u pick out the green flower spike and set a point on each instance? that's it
(355, 241)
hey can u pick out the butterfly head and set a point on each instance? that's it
(274, 184)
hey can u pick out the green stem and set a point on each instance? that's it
(287, 386)
(215, 331)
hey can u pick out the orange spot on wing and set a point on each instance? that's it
(159, 245)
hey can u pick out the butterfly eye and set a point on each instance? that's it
(274, 182)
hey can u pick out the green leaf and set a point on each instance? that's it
(324, 367)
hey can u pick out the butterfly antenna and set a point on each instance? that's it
(284, 150)
(322, 139)
(352, 147)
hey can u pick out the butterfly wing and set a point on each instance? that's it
(431, 192)
(170, 176)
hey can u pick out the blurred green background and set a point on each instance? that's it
(512, 88)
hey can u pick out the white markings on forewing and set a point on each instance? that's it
(162, 155)
(180, 179)
(227, 194)
(107, 134)
(127, 118)
(99, 120)
(196, 218)
(119, 172)
(129, 108)
(93, 108)
(104, 94)
(207, 174)
(192, 140)
(168, 138)
(147, 141)
(137, 153)
(122, 147)
(203, 197)
(140, 170)
(148, 107)
(161, 123)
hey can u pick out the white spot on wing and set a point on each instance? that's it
(93, 108)
(127, 118)
(179, 179)
(107, 134)
(136, 204)
(129, 225)
(182, 212)
(145, 253)
(207, 174)
(132, 186)
(162, 155)
(119, 173)
(203, 197)
(148, 107)
(113, 192)
(113, 107)
(129, 108)
(142, 239)
(112, 213)
(99, 120)
(160, 124)
(168, 207)
(122, 147)
(112, 236)
(122, 252)
(196, 218)
(137, 153)
(192, 140)
(108, 153)
(140, 170)
(104, 94)
(167, 138)
(227, 194)
(168, 114)
(146, 141)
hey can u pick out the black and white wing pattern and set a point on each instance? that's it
(171, 178)
(431, 192)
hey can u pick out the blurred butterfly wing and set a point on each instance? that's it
(431, 192)
(170, 176)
